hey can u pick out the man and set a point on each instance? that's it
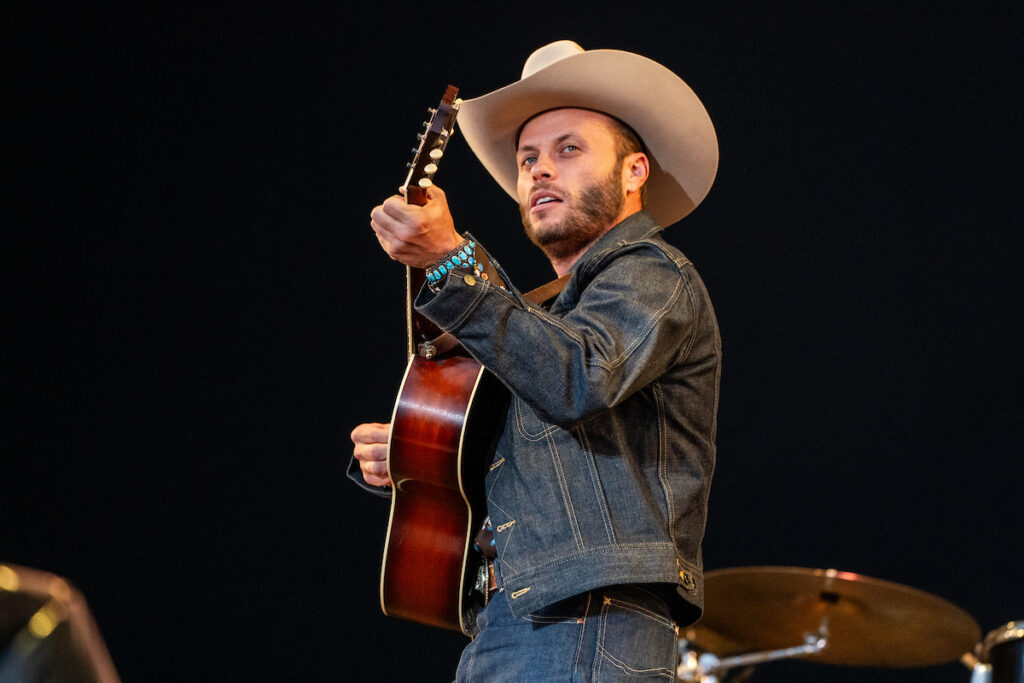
(597, 491)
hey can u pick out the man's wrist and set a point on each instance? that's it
(461, 259)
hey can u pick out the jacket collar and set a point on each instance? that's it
(632, 228)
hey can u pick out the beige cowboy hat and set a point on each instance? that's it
(673, 124)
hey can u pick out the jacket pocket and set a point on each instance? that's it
(528, 425)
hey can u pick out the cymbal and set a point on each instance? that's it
(869, 622)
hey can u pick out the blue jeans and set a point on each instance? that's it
(617, 633)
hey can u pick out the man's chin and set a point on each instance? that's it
(544, 233)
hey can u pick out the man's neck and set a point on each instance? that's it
(562, 265)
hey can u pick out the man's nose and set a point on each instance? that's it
(543, 169)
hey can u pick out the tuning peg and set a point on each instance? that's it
(430, 169)
(425, 182)
(432, 110)
(436, 154)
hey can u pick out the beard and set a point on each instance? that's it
(590, 215)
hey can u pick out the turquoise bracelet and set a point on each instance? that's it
(463, 258)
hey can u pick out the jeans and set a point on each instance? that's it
(617, 633)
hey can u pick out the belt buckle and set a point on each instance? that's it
(486, 579)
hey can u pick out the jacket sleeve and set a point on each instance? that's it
(635, 318)
(356, 475)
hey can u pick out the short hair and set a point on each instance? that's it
(627, 142)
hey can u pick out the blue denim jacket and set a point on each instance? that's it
(602, 473)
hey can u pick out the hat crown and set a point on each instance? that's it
(549, 54)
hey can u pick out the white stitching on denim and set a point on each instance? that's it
(644, 331)
(685, 351)
(533, 618)
(615, 661)
(599, 494)
(557, 322)
(579, 645)
(660, 671)
(506, 565)
(572, 557)
(457, 323)
(494, 481)
(563, 486)
(599, 642)
(521, 424)
(502, 527)
(516, 594)
(496, 465)
(573, 612)
(666, 484)
(607, 365)
(640, 609)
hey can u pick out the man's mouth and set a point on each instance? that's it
(543, 198)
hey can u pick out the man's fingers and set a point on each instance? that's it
(371, 432)
(396, 209)
(377, 468)
(380, 222)
(435, 193)
(373, 480)
(375, 472)
(370, 452)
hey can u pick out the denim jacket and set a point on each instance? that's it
(602, 473)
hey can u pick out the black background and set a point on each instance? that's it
(196, 312)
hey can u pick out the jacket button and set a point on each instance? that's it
(688, 582)
(470, 280)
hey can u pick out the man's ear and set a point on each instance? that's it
(638, 169)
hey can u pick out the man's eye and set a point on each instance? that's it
(570, 148)
(528, 160)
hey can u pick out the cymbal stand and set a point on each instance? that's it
(981, 672)
(706, 668)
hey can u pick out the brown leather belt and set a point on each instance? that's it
(492, 580)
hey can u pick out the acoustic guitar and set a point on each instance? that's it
(445, 422)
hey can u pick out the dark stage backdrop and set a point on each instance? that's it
(196, 312)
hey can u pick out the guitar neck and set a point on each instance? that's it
(437, 132)
(420, 328)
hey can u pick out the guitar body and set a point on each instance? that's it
(445, 424)
(447, 418)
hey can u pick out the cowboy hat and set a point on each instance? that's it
(676, 130)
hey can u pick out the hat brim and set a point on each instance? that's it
(665, 112)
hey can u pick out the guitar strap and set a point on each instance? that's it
(446, 342)
(547, 291)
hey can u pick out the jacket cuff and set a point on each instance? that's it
(450, 305)
(356, 475)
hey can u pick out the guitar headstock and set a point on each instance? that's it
(437, 132)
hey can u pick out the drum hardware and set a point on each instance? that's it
(1000, 657)
(756, 614)
(47, 632)
(707, 667)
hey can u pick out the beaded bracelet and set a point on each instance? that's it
(462, 257)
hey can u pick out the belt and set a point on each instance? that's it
(492, 580)
(486, 579)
